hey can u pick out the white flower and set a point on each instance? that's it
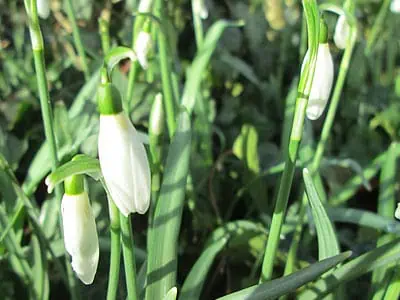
(397, 212)
(43, 8)
(322, 82)
(80, 235)
(342, 32)
(200, 8)
(124, 164)
(395, 6)
(143, 45)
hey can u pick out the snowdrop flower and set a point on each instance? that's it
(122, 156)
(43, 8)
(342, 32)
(397, 212)
(323, 76)
(143, 45)
(200, 8)
(395, 6)
(80, 233)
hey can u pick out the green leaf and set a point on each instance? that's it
(245, 148)
(327, 241)
(355, 268)
(194, 282)
(282, 286)
(201, 60)
(163, 240)
(83, 164)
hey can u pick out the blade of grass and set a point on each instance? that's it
(284, 285)
(163, 242)
(327, 240)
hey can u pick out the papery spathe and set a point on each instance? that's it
(124, 164)
(322, 82)
(80, 235)
(342, 32)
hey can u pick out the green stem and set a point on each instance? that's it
(377, 27)
(104, 30)
(115, 255)
(326, 131)
(166, 70)
(45, 105)
(77, 39)
(129, 256)
(312, 18)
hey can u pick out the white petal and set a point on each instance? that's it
(397, 212)
(342, 31)
(80, 235)
(395, 6)
(322, 83)
(124, 164)
(43, 8)
(143, 45)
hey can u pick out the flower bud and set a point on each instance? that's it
(342, 32)
(123, 159)
(157, 116)
(323, 77)
(43, 8)
(395, 6)
(80, 233)
(397, 212)
(200, 8)
(143, 45)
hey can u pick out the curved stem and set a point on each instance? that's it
(115, 255)
(77, 39)
(129, 256)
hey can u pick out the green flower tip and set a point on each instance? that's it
(108, 99)
(74, 185)
(323, 31)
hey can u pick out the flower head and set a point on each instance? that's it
(143, 45)
(80, 233)
(43, 8)
(395, 6)
(342, 32)
(322, 80)
(122, 156)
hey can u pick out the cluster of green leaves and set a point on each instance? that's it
(221, 157)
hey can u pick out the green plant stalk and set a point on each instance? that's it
(77, 39)
(129, 256)
(45, 105)
(326, 130)
(115, 255)
(311, 13)
(104, 30)
(166, 70)
(377, 27)
(198, 27)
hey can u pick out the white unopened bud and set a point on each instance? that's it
(397, 212)
(395, 6)
(80, 235)
(342, 32)
(143, 45)
(124, 164)
(200, 8)
(43, 8)
(322, 82)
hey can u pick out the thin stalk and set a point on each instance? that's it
(312, 18)
(166, 70)
(129, 256)
(115, 255)
(77, 39)
(377, 27)
(104, 30)
(45, 105)
(326, 131)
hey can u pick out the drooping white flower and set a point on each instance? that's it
(395, 6)
(43, 8)
(124, 164)
(397, 212)
(322, 82)
(80, 235)
(342, 32)
(200, 8)
(143, 44)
